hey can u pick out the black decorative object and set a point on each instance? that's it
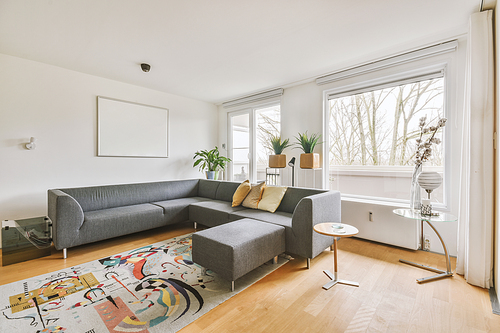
(292, 164)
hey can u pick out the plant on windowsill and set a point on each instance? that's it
(278, 160)
(211, 161)
(309, 159)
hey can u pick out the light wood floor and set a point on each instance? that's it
(291, 299)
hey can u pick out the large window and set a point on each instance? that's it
(372, 135)
(250, 130)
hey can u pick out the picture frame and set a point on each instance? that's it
(128, 129)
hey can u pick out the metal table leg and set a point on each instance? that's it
(442, 274)
(334, 276)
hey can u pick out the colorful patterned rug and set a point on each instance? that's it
(156, 288)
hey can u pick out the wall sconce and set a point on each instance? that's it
(31, 145)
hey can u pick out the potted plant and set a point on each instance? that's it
(309, 159)
(278, 160)
(211, 161)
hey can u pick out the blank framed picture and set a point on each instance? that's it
(126, 129)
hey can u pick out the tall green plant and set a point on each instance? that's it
(275, 144)
(210, 160)
(307, 143)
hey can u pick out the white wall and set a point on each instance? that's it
(302, 109)
(496, 255)
(59, 108)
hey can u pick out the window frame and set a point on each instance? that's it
(252, 111)
(384, 79)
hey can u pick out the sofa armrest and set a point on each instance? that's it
(66, 215)
(311, 210)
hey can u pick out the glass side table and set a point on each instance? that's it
(429, 219)
(26, 239)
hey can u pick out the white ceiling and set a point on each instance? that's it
(217, 50)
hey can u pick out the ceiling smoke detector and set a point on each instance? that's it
(145, 67)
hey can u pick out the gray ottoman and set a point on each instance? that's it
(234, 249)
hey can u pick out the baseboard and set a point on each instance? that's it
(495, 305)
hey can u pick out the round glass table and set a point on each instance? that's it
(429, 219)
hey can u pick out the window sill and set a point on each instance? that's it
(389, 203)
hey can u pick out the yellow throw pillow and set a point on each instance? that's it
(254, 196)
(271, 198)
(241, 193)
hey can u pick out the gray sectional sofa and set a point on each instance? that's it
(89, 214)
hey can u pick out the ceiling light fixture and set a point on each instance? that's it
(145, 67)
(31, 145)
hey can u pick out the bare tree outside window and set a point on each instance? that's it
(268, 125)
(376, 130)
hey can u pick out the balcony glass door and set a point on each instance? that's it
(249, 133)
(240, 146)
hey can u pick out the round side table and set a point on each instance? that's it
(332, 229)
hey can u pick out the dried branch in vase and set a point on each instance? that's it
(424, 147)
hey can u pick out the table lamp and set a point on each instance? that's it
(429, 181)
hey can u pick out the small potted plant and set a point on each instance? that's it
(211, 161)
(278, 160)
(309, 159)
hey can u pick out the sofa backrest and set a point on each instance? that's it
(109, 196)
(226, 190)
(208, 188)
(292, 197)
(217, 189)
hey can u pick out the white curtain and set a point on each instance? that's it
(475, 231)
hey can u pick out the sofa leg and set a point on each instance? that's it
(65, 253)
(331, 247)
(195, 225)
(275, 260)
(232, 285)
(308, 263)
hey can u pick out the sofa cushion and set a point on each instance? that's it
(271, 198)
(177, 210)
(254, 196)
(280, 218)
(212, 213)
(226, 190)
(113, 222)
(208, 188)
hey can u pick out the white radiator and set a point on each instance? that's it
(385, 227)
